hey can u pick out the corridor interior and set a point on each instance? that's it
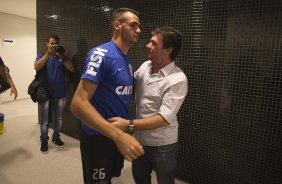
(21, 161)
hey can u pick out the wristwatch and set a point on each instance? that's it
(131, 127)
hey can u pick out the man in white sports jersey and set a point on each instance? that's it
(104, 91)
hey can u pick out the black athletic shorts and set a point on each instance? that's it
(100, 158)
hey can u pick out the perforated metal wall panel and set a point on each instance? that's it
(230, 123)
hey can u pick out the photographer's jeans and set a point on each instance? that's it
(58, 105)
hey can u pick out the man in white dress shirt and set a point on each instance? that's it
(160, 91)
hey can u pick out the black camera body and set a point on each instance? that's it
(59, 49)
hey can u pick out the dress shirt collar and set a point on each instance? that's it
(165, 70)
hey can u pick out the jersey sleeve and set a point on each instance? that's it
(95, 66)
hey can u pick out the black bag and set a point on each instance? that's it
(32, 89)
(38, 89)
(42, 94)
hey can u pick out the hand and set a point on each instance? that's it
(14, 91)
(129, 147)
(51, 50)
(119, 123)
(61, 56)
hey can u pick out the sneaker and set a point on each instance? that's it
(58, 142)
(44, 147)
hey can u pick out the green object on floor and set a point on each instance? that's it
(2, 129)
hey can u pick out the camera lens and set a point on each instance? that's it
(59, 49)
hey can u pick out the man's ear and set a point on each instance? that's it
(169, 50)
(116, 25)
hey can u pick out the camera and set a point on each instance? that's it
(59, 49)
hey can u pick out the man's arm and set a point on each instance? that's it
(69, 66)
(171, 103)
(11, 83)
(152, 122)
(81, 107)
(13, 87)
(67, 63)
(41, 62)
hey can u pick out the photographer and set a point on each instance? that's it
(53, 62)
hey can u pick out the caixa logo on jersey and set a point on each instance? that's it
(95, 61)
(124, 90)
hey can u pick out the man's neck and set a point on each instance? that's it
(121, 45)
(157, 66)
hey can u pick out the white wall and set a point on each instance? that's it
(20, 57)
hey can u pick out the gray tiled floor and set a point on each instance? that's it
(21, 162)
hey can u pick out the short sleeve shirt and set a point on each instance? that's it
(112, 71)
(56, 75)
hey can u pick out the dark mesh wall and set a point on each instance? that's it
(230, 122)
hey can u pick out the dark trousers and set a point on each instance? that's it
(162, 159)
(100, 158)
